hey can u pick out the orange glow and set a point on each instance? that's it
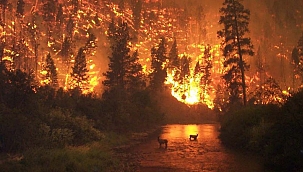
(191, 130)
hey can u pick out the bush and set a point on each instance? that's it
(17, 131)
(66, 129)
(245, 128)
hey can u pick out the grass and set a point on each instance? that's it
(97, 156)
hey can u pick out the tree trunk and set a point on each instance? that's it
(241, 60)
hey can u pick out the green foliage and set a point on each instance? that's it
(64, 160)
(236, 126)
(16, 87)
(74, 130)
(18, 131)
(273, 132)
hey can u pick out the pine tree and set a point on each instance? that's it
(49, 10)
(174, 61)
(79, 71)
(185, 68)
(49, 13)
(70, 27)
(20, 7)
(75, 6)
(197, 69)
(158, 66)
(90, 44)
(51, 73)
(235, 19)
(206, 70)
(260, 65)
(60, 15)
(297, 56)
(34, 36)
(66, 50)
(136, 8)
(135, 75)
(125, 72)
(200, 19)
(184, 74)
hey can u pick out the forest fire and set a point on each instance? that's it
(41, 31)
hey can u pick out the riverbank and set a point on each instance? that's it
(111, 153)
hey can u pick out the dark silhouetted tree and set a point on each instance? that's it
(51, 75)
(235, 19)
(136, 8)
(60, 15)
(16, 87)
(20, 7)
(206, 73)
(70, 27)
(297, 57)
(185, 68)
(124, 72)
(79, 77)
(158, 66)
(174, 61)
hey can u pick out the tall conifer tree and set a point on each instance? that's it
(51, 72)
(79, 71)
(124, 70)
(235, 19)
(158, 66)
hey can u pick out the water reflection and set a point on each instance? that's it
(205, 154)
(179, 131)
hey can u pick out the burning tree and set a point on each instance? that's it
(269, 93)
(235, 19)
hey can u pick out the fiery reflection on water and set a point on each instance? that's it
(205, 154)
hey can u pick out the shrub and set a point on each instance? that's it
(65, 128)
(245, 128)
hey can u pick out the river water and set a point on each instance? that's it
(206, 154)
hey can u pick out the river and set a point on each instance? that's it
(206, 154)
